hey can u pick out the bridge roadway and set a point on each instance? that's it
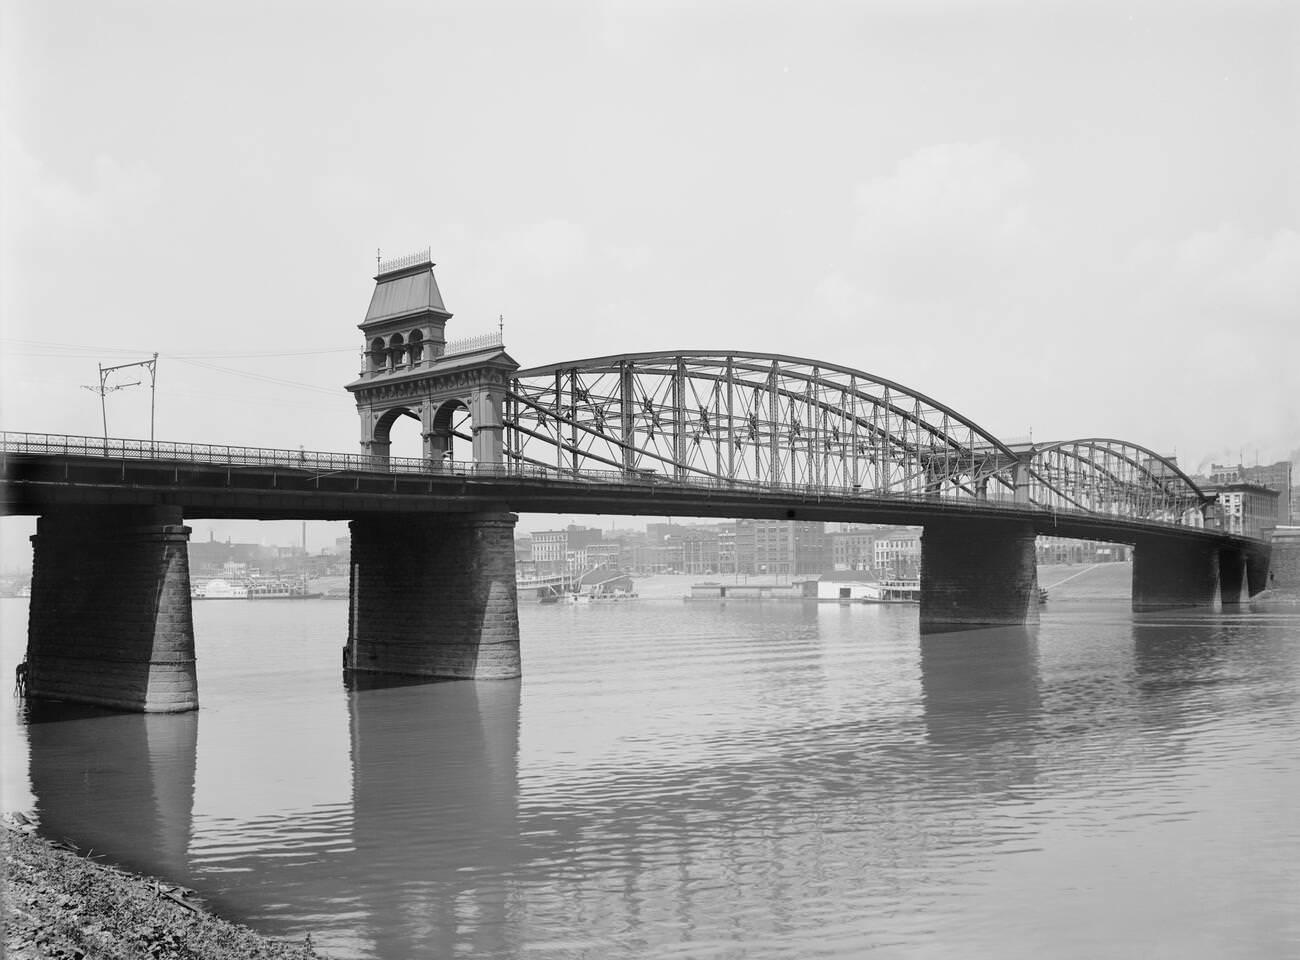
(433, 570)
(221, 483)
(713, 433)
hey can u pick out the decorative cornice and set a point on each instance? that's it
(428, 387)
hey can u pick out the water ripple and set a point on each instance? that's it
(764, 780)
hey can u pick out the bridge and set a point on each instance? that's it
(687, 433)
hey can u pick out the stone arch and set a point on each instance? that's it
(448, 422)
(381, 431)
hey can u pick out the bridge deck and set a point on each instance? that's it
(249, 483)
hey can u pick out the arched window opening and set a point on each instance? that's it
(452, 437)
(396, 351)
(375, 357)
(400, 429)
(415, 347)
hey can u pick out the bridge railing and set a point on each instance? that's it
(321, 464)
(114, 448)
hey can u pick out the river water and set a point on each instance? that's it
(699, 779)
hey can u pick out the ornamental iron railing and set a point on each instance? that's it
(317, 464)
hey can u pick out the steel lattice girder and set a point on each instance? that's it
(750, 418)
(1113, 477)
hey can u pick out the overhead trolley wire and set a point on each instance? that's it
(279, 381)
(66, 350)
(90, 350)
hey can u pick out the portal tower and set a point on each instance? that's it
(410, 370)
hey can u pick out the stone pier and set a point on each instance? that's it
(434, 597)
(1170, 572)
(1232, 577)
(110, 620)
(977, 573)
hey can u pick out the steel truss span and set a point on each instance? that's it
(742, 419)
(1115, 478)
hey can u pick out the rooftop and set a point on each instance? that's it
(405, 287)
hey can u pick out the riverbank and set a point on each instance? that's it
(58, 903)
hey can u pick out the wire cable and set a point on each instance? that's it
(89, 350)
(279, 381)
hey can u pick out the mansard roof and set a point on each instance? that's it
(408, 292)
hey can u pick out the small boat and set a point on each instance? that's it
(279, 588)
(219, 589)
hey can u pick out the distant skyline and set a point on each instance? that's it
(1065, 219)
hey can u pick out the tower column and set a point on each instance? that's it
(434, 597)
(110, 620)
(370, 447)
(486, 412)
(437, 438)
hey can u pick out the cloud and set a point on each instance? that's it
(1260, 274)
(950, 223)
(544, 249)
(37, 200)
(959, 241)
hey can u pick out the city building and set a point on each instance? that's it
(1065, 550)
(1276, 476)
(898, 556)
(558, 551)
(853, 549)
(727, 548)
(214, 557)
(1247, 509)
(606, 553)
(780, 547)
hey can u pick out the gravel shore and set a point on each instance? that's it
(59, 904)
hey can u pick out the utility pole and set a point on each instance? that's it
(103, 389)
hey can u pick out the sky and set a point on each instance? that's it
(1062, 219)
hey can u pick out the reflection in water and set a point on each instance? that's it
(980, 690)
(120, 784)
(435, 799)
(767, 780)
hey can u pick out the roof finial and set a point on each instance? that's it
(501, 323)
(378, 259)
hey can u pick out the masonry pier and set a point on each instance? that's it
(110, 620)
(1169, 572)
(1278, 573)
(977, 573)
(1232, 577)
(434, 597)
